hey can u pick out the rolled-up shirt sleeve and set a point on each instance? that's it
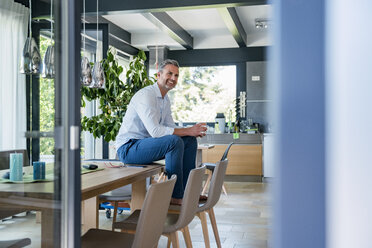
(149, 113)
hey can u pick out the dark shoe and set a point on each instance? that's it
(175, 201)
(203, 198)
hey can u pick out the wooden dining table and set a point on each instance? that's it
(39, 195)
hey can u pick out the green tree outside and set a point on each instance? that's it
(200, 94)
(47, 108)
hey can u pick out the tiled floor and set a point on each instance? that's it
(243, 219)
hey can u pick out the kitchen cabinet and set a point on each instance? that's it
(268, 155)
(244, 159)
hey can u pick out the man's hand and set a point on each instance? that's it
(198, 130)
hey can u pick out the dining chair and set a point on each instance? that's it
(206, 206)
(16, 243)
(174, 221)
(116, 196)
(4, 158)
(210, 168)
(4, 164)
(153, 215)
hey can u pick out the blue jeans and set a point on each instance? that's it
(179, 154)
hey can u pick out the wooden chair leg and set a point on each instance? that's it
(174, 240)
(169, 242)
(224, 189)
(203, 219)
(212, 217)
(97, 215)
(207, 182)
(187, 237)
(161, 177)
(154, 179)
(116, 204)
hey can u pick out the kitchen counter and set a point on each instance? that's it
(227, 138)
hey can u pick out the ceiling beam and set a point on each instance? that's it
(119, 44)
(219, 56)
(114, 30)
(232, 21)
(165, 23)
(123, 46)
(129, 6)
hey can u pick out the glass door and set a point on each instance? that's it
(40, 123)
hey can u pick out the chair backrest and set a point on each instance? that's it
(153, 213)
(215, 185)
(4, 158)
(224, 156)
(190, 198)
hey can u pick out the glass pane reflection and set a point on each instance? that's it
(29, 202)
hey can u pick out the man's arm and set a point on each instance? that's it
(148, 111)
(198, 130)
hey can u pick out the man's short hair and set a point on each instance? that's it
(168, 62)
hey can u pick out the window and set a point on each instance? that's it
(202, 92)
(47, 109)
(91, 147)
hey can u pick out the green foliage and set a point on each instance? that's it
(46, 105)
(114, 99)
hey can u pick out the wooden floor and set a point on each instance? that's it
(243, 219)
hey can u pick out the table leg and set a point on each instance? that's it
(199, 158)
(138, 194)
(47, 228)
(89, 214)
(38, 217)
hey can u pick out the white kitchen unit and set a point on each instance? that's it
(268, 155)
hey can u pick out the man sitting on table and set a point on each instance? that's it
(148, 132)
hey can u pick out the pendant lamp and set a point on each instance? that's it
(31, 59)
(48, 63)
(86, 70)
(99, 79)
(48, 70)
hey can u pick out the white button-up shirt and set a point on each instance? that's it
(148, 115)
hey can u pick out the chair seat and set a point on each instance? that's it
(170, 221)
(17, 243)
(130, 223)
(114, 198)
(8, 213)
(101, 238)
(177, 208)
(120, 194)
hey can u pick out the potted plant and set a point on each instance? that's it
(114, 99)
